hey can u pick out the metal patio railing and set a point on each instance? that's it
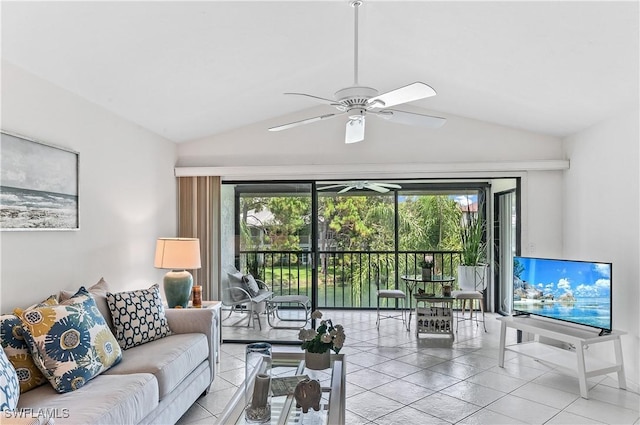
(346, 279)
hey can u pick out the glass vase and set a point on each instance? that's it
(257, 382)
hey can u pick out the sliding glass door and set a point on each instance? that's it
(275, 235)
(506, 242)
(356, 231)
(335, 242)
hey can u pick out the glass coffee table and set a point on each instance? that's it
(283, 408)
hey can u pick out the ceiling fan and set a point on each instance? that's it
(358, 101)
(375, 186)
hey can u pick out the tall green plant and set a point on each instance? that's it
(472, 233)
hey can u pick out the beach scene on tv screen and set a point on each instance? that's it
(574, 291)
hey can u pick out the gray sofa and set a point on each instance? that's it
(155, 383)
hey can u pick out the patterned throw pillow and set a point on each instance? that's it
(252, 285)
(17, 350)
(9, 387)
(138, 316)
(70, 342)
(99, 294)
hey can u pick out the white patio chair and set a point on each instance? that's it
(472, 292)
(238, 295)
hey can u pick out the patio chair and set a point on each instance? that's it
(244, 294)
(388, 294)
(473, 293)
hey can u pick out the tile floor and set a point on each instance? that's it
(395, 378)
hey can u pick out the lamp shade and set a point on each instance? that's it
(177, 253)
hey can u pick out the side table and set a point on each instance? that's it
(274, 302)
(435, 316)
(411, 281)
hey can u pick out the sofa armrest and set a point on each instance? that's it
(196, 320)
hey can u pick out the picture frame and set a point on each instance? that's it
(38, 185)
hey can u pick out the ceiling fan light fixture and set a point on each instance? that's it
(355, 130)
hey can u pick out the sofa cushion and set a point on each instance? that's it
(169, 359)
(9, 386)
(99, 294)
(104, 400)
(17, 350)
(138, 316)
(70, 342)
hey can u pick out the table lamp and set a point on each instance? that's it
(178, 254)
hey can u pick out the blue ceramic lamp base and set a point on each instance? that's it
(177, 288)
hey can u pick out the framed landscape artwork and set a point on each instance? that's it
(38, 185)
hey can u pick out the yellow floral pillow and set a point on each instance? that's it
(17, 351)
(70, 342)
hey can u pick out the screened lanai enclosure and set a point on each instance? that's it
(337, 242)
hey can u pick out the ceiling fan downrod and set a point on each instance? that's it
(355, 4)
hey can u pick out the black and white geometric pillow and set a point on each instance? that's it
(138, 316)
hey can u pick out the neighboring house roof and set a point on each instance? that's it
(259, 218)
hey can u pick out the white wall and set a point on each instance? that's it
(127, 196)
(600, 202)
(459, 140)
(542, 214)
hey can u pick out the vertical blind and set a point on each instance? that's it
(199, 217)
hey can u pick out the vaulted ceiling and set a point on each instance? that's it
(187, 70)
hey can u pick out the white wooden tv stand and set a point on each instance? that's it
(578, 361)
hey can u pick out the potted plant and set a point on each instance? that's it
(472, 268)
(426, 264)
(318, 343)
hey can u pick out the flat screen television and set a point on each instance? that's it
(568, 290)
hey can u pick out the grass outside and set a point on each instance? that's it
(332, 291)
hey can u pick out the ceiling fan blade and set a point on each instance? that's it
(346, 189)
(302, 122)
(322, 99)
(377, 188)
(355, 130)
(404, 94)
(333, 186)
(411, 118)
(389, 185)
